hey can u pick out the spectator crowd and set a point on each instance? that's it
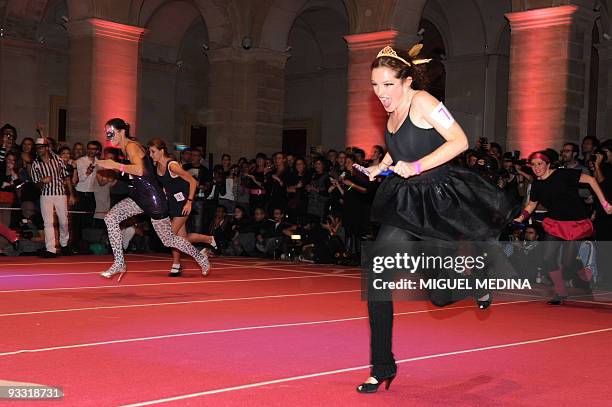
(312, 208)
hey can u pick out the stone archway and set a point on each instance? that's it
(315, 74)
(172, 56)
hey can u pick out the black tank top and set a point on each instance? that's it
(173, 185)
(411, 143)
(146, 191)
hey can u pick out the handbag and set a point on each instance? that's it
(568, 229)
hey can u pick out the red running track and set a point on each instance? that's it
(273, 333)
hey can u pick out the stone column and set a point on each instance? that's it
(540, 79)
(465, 93)
(604, 96)
(366, 118)
(246, 101)
(579, 67)
(103, 76)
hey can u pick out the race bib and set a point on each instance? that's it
(179, 197)
(442, 116)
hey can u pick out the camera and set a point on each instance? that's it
(600, 152)
(483, 141)
(25, 231)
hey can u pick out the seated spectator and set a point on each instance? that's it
(239, 225)
(270, 242)
(31, 230)
(252, 234)
(325, 241)
(220, 228)
(526, 253)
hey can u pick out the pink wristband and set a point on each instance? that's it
(417, 167)
(605, 204)
(122, 168)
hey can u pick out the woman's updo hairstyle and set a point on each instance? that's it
(405, 64)
(120, 124)
(160, 145)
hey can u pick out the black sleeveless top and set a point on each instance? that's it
(146, 191)
(411, 143)
(177, 191)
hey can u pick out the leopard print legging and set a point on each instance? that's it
(163, 227)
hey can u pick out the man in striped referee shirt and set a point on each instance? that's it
(49, 173)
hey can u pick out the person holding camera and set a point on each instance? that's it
(9, 139)
(589, 145)
(567, 219)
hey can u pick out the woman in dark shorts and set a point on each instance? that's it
(146, 196)
(180, 188)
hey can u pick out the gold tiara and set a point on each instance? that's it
(414, 51)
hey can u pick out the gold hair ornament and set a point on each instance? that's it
(414, 51)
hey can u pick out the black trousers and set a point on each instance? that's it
(381, 313)
(381, 317)
(86, 202)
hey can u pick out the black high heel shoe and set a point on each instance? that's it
(484, 304)
(557, 300)
(373, 387)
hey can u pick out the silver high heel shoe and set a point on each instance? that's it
(113, 270)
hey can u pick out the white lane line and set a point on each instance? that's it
(350, 369)
(160, 304)
(571, 297)
(247, 328)
(352, 276)
(592, 302)
(215, 266)
(80, 262)
(207, 281)
(98, 272)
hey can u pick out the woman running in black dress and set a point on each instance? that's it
(425, 197)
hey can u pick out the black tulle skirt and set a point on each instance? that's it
(447, 203)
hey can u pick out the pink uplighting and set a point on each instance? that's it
(366, 117)
(114, 72)
(537, 91)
